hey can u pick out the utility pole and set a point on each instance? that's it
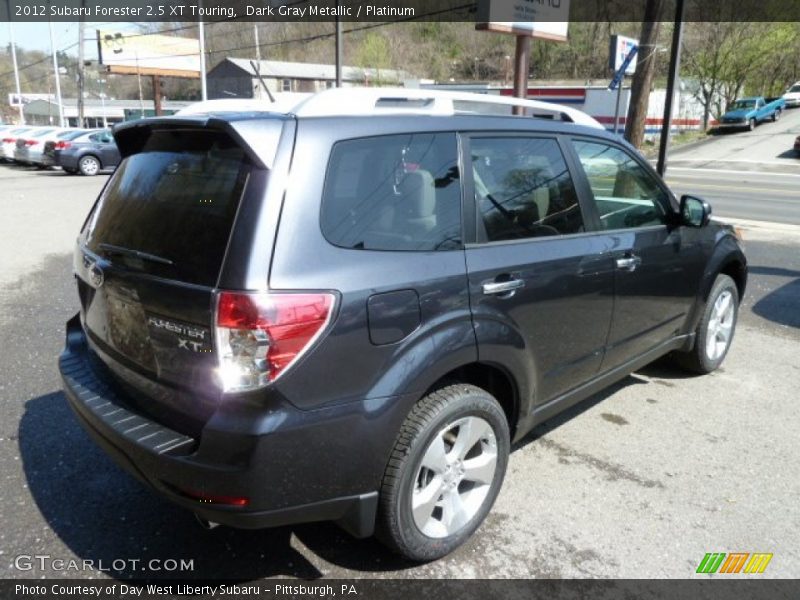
(157, 95)
(16, 68)
(258, 46)
(338, 47)
(674, 70)
(521, 64)
(81, 68)
(203, 87)
(58, 76)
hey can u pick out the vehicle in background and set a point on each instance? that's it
(59, 142)
(88, 154)
(792, 95)
(9, 142)
(27, 141)
(746, 113)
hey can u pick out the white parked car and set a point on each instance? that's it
(28, 141)
(792, 95)
(9, 141)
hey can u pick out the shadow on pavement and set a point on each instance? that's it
(781, 305)
(103, 514)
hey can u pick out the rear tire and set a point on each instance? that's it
(89, 165)
(715, 331)
(776, 115)
(444, 473)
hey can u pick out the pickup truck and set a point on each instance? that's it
(749, 112)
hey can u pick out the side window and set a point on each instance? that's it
(95, 137)
(523, 188)
(626, 195)
(395, 192)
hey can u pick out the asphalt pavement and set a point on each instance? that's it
(638, 481)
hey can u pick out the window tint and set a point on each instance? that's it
(625, 194)
(523, 188)
(397, 192)
(175, 199)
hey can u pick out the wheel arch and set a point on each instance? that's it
(496, 380)
(727, 258)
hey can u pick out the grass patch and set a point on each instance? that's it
(650, 146)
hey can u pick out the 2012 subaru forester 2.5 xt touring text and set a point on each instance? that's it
(348, 309)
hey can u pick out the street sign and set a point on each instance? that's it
(543, 20)
(623, 68)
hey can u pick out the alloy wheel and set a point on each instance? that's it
(454, 477)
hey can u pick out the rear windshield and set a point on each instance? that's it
(175, 201)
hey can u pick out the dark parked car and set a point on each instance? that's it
(87, 154)
(291, 317)
(62, 141)
(797, 145)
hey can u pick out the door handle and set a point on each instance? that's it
(628, 263)
(503, 287)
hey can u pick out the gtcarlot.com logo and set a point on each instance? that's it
(46, 562)
(734, 562)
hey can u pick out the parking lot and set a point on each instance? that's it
(639, 481)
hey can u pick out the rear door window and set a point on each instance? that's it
(175, 201)
(395, 192)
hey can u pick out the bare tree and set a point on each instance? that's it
(643, 78)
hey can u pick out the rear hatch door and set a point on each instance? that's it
(148, 263)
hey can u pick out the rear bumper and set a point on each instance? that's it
(65, 160)
(281, 487)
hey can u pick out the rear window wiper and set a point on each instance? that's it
(111, 249)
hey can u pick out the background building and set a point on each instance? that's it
(97, 113)
(236, 78)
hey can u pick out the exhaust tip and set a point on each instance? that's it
(205, 523)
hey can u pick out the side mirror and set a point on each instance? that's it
(695, 212)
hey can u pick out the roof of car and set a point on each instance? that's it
(373, 102)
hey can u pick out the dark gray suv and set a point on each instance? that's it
(337, 313)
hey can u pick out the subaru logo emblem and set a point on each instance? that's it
(96, 276)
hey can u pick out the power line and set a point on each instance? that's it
(310, 38)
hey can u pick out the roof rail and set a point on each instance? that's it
(369, 101)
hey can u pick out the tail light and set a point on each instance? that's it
(61, 145)
(9, 140)
(31, 142)
(260, 335)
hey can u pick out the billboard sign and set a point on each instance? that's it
(621, 47)
(146, 54)
(534, 18)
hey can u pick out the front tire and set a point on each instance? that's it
(751, 124)
(444, 473)
(715, 331)
(776, 115)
